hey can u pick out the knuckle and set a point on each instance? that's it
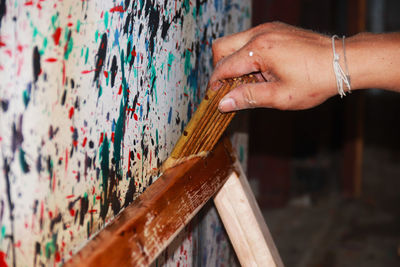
(249, 97)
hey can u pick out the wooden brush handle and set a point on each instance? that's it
(207, 124)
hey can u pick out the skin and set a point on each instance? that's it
(294, 66)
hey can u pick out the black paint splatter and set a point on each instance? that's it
(83, 210)
(63, 97)
(36, 63)
(17, 137)
(116, 206)
(37, 251)
(154, 21)
(114, 69)
(4, 104)
(2, 9)
(130, 193)
(100, 57)
(6, 171)
(54, 221)
(127, 23)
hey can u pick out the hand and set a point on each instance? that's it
(293, 66)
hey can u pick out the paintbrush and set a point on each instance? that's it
(207, 124)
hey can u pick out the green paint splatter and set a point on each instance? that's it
(3, 232)
(171, 59)
(51, 168)
(157, 137)
(100, 91)
(106, 20)
(22, 161)
(188, 64)
(54, 19)
(26, 97)
(45, 43)
(70, 45)
(186, 5)
(50, 249)
(96, 35)
(35, 32)
(86, 55)
(78, 25)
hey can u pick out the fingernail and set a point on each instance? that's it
(227, 104)
(215, 86)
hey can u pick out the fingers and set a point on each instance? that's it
(244, 61)
(225, 46)
(253, 95)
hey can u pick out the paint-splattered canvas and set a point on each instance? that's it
(93, 97)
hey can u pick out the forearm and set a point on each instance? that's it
(374, 61)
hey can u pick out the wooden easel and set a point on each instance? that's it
(144, 229)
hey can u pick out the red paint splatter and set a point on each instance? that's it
(54, 181)
(120, 89)
(50, 59)
(101, 138)
(98, 197)
(117, 9)
(112, 137)
(63, 73)
(57, 257)
(66, 159)
(2, 44)
(70, 196)
(71, 112)
(138, 155)
(106, 74)
(72, 212)
(57, 35)
(133, 53)
(87, 71)
(92, 211)
(70, 24)
(29, 3)
(84, 142)
(135, 116)
(3, 262)
(75, 143)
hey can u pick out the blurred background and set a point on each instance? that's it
(328, 179)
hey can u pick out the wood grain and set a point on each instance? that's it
(147, 226)
(244, 222)
(207, 124)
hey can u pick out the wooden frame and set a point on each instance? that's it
(145, 228)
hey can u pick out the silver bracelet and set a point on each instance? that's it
(341, 76)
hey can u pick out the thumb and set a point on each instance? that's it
(252, 95)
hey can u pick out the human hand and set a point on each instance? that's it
(293, 66)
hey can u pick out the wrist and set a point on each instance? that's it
(373, 60)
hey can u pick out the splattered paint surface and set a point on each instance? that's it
(93, 97)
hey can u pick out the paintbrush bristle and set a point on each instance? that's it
(207, 124)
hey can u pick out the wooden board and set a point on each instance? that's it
(244, 222)
(149, 224)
